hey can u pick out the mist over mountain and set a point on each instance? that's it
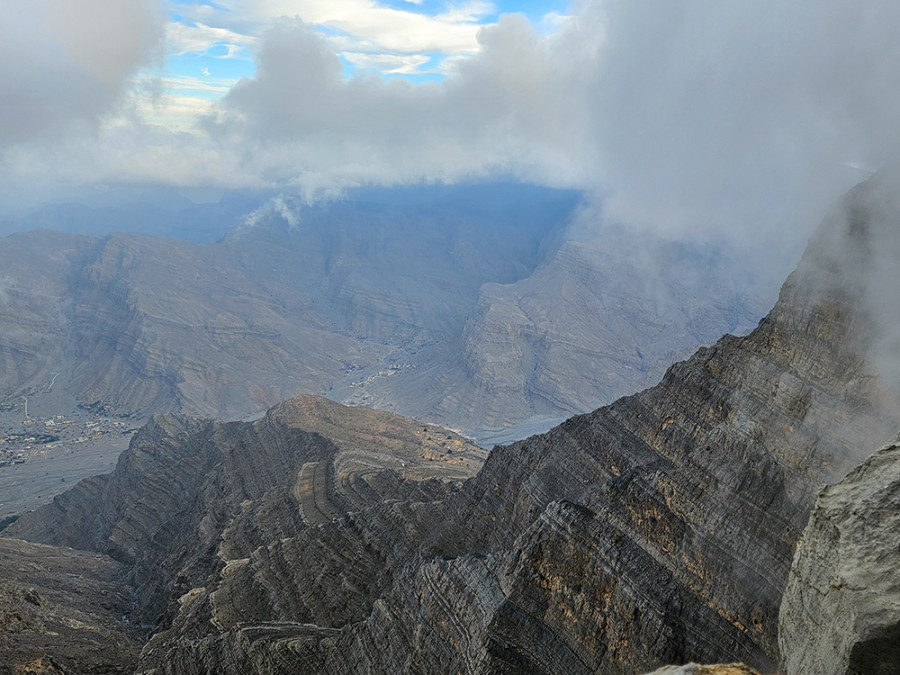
(309, 260)
(470, 306)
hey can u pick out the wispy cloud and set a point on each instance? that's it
(182, 38)
(365, 21)
(391, 64)
(468, 12)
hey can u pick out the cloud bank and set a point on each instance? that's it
(300, 122)
(67, 63)
(689, 117)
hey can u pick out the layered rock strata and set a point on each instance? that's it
(192, 497)
(657, 530)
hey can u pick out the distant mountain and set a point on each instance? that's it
(597, 320)
(468, 306)
(169, 212)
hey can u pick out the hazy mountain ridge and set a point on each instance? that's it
(458, 305)
(590, 325)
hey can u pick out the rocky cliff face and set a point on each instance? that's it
(659, 529)
(840, 614)
(193, 497)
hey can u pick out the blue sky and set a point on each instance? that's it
(210, 45)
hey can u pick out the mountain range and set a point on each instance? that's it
(661, 528)
(469, 307)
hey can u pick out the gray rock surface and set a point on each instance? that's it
(191, 497)
(64, 611)
(841, 608)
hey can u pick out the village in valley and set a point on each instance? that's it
(38, 436)
(46, 446)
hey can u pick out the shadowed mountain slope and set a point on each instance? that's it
(64, 611)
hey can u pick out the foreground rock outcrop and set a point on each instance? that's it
(64, 611)
(841, 609)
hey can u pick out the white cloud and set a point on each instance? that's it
(363, 21)
(65, 64)
(741, 116)
(468, 12)
(200, 38)
(299, 121)
(688, 117)
(389, 64)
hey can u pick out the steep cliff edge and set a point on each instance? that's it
(841, 609)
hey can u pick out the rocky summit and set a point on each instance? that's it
(658, 530)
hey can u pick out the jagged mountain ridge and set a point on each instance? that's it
(191, 494)
(658, 529)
